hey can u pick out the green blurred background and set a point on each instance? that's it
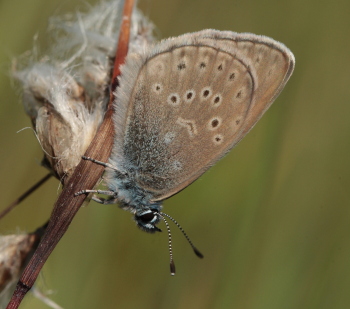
(272, 218)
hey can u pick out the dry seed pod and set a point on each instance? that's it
(15, 252)
(65, 93)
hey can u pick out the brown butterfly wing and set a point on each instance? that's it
(188, 101)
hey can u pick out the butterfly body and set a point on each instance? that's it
(127, 192)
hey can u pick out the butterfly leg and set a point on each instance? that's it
(113, 194)
(103, 201)
(96, 199)
(119, 173)
(99, 162)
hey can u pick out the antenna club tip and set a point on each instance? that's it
(172, 268)
(199, 254)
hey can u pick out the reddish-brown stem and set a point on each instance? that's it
(24, 195)
(85, 176)
(123, 44)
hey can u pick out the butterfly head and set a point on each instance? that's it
(147, 219)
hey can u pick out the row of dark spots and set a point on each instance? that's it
(216, 122)
(206, 94)
(202, 65)
(182, 65)
(174, 98)
(189, 95)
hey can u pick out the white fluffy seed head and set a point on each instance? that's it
(14, 252)
(65, 91)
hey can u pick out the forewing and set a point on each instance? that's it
(189, 100)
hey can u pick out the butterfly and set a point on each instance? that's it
(180, 107)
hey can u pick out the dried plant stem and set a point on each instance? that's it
(84, 177)
(123, 45)
(24, 195)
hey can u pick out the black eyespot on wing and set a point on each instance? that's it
(206, 93)
(181, 66)
(215, 123)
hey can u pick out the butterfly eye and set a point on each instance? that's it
(147, 221)
(147, 218)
